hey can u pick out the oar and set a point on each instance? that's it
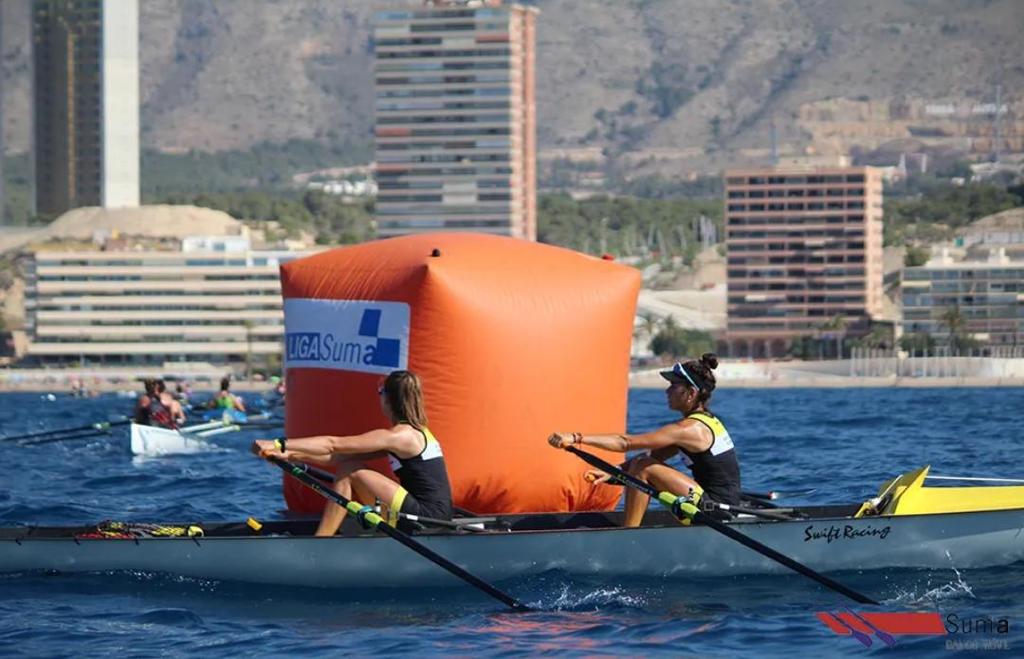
(88, 434)
(864, 639)
(770, 495)
(373, 520)
(681, 508)
(101, 426)
(217, 431)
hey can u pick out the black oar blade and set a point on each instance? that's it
(724, 529)
(299, 473)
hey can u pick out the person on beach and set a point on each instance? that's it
(225, 400)
(423, 488)
(699, 436)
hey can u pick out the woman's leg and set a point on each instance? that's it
(660, 476)
(334, 514)
(376, 485)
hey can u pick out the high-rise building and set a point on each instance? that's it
(456, 119)
(804, 256)
(86, 103)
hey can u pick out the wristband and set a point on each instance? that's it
(279, 443)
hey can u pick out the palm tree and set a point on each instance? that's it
(956, 324)
(836, 325)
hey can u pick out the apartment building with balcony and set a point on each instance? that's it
(456, 119)
(988, 294)
(804, 256)
(213, 301)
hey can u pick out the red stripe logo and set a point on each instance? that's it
(867, 627)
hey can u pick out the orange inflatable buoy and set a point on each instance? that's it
(512, 340)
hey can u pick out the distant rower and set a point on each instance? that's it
(225, 400)
(157, 407)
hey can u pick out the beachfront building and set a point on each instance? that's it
(86, 103)
(987, 296)
(804, 256)
(456, 119)
(213, 301)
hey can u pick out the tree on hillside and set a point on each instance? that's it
(915, 256)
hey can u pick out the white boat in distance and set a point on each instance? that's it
(154, 441)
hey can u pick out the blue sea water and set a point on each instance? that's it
(842, 442)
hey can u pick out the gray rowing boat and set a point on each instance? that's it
(825, 538)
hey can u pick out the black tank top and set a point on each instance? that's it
(716, 469)
(425, 476)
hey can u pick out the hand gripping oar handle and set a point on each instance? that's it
(681, 508)
(373, 520)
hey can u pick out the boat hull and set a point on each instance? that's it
(151, 440)
(942, 541)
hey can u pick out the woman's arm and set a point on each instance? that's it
(664, 437)
(321, 448)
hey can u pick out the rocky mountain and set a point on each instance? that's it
(677, 86)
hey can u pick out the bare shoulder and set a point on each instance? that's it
(695, 435)
(405, 439)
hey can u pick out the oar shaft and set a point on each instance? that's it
(217, 431)
(375, 521)
(696, 515)
(100, 426)
(87, 434)
(200, 427)
(765, 550)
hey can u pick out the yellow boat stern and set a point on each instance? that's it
(907, 495)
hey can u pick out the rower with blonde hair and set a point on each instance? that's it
(414, 453)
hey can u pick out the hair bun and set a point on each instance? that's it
(710, 360)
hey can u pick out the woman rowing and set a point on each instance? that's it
(158, 408)
(700, 436)
(415, 455)
(225, 400)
